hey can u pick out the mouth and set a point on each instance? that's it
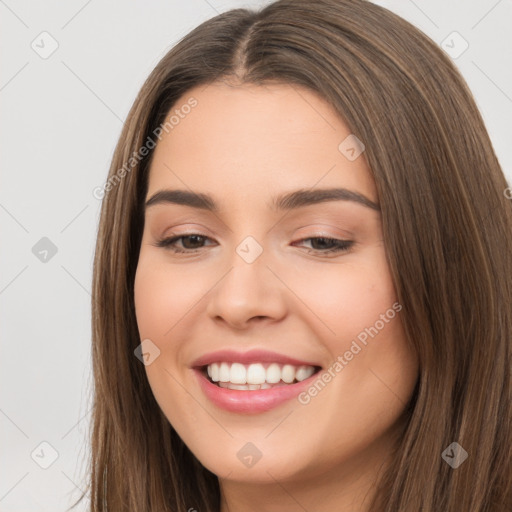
(256, 376)
(244, 389)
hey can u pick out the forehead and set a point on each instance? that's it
(250, 141)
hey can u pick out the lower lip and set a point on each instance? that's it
(249, 402)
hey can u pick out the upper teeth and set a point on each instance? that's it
(256, 373)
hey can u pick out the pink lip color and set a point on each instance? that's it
(251, 356)
(248, 402)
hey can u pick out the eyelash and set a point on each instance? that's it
(167, 243)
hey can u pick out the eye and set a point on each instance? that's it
(334, 245)
(169, 243)
(192, 242)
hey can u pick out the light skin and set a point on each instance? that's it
(244, 145)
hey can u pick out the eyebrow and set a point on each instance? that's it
(288, 201)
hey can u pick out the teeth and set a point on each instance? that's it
(213, 372)
(273, 373)
(238, 374)
(247, 387)
(288, 373)
(224, 372)
(254, 375)
(304, 372)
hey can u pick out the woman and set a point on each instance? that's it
(301, 294)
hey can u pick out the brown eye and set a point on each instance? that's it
(190, 242)
(328, 245)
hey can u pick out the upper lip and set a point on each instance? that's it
(248, 357)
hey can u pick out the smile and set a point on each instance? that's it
(257, 376)
(245, 398)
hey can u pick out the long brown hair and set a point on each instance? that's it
(447, 230)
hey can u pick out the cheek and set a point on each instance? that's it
(349, 297)
(163, 296)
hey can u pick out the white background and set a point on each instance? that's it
(60, 120)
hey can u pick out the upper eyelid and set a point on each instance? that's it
(317, 228)
(313, 235)
(177, 237)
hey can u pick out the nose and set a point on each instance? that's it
(246, 294)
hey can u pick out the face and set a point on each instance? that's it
(306, 280)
